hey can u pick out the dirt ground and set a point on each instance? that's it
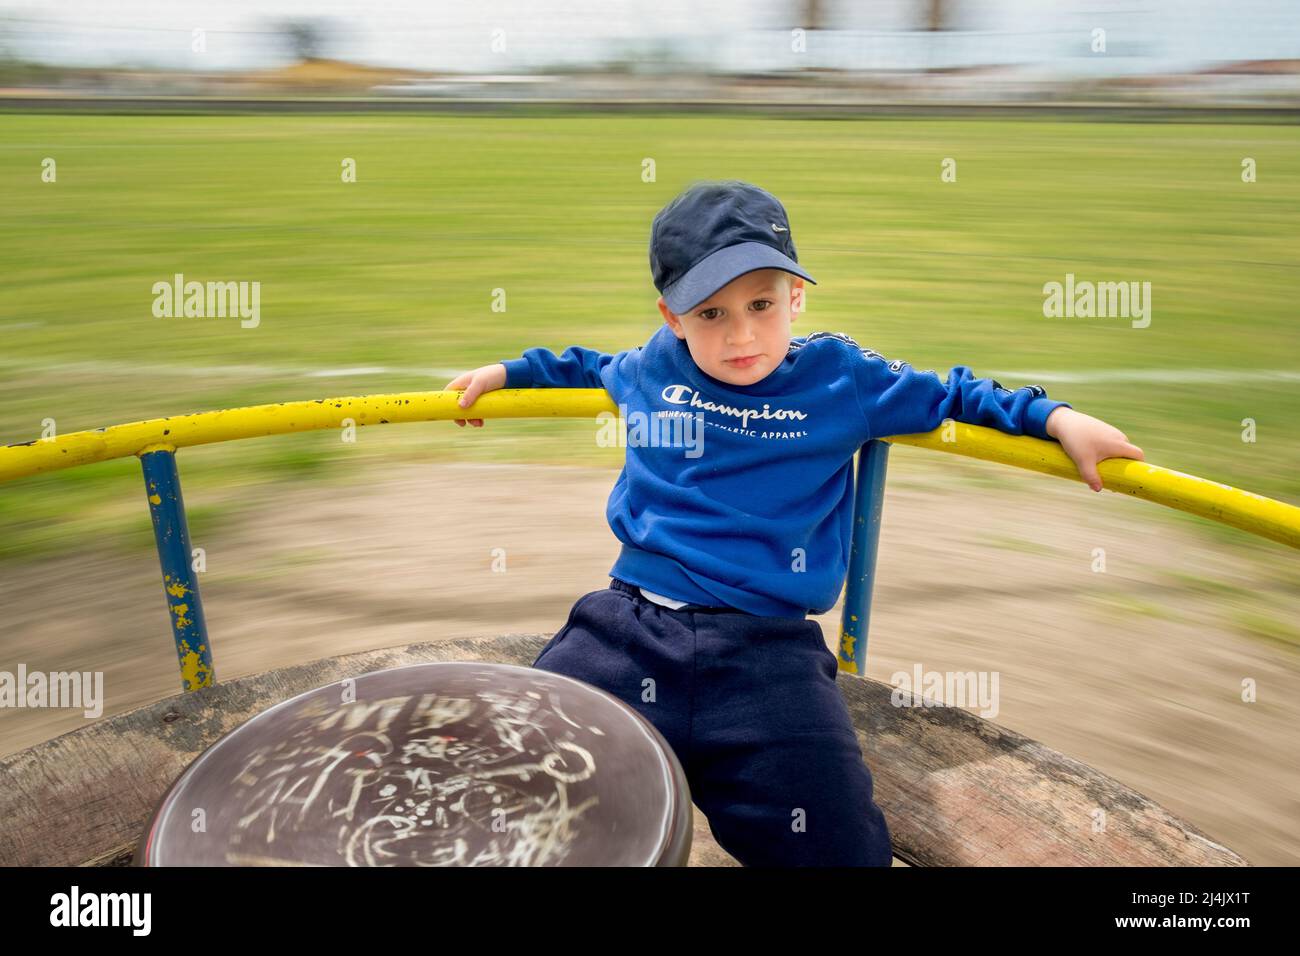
(1137, 671)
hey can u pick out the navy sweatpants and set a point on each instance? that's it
(750, 707)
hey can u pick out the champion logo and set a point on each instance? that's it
(685, 395)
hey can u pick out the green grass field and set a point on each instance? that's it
(397, 270)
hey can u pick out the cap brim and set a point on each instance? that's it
(714, 271)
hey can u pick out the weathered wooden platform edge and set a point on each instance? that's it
(956, 789)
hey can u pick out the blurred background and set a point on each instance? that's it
(392, 175)
(758, 51)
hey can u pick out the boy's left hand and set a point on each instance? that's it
(1088, 440)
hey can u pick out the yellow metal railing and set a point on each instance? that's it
(1250, 512)
(1253, 513)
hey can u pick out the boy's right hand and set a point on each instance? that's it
(475, 383)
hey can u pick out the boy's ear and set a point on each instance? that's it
(797, 301)
(673, 321)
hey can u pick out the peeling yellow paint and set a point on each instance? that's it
(155, 500)
(177, 590)
(194, 673)
(848, 652)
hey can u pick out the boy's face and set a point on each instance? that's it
(749, 316)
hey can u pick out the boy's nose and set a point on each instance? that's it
(740, 334)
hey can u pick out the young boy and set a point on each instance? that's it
(729, 545)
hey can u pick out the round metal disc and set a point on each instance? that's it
(442, 764)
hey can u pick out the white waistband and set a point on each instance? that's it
(660, 599)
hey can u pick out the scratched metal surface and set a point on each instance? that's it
(84, 797)
(437, 764)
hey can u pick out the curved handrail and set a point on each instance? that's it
(1256, 514)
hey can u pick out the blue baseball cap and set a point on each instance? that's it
(714, 232)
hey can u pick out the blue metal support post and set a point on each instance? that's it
(172, 534)
(868, 503)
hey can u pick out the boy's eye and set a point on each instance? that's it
(707, 314)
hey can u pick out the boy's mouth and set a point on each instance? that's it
(745, 362)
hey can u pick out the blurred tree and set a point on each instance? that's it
(936, 14)
(811, 15)
(306, 38)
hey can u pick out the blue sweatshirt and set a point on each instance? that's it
(746, 499)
